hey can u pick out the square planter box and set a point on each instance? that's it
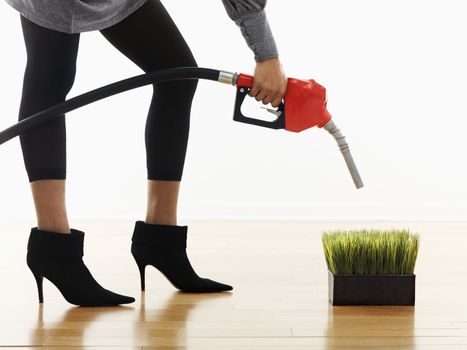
(371, 289)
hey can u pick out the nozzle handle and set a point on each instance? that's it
(242, 92)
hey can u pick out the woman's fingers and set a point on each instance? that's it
(269, 82)
(254, 90)
(269, 97)
(276, 101)
(262, 95)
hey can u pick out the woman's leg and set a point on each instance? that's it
(49, 202)
(49, 76)
(151, 39)
(162, 202)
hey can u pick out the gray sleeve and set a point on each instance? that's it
(250, 16)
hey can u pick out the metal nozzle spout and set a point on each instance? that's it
(344, 148)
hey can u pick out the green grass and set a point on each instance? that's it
(358, 252)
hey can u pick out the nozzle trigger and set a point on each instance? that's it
(276, 112)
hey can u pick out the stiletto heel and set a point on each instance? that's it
(142, 268)
(39, 280)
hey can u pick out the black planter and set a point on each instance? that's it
(371, 289)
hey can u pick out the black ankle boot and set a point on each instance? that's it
(58, 257)
(164, 247)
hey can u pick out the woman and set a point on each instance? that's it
(144, 32)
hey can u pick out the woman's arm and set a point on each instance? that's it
(269, 81)
(250, 16)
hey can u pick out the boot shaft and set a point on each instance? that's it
(160, 237)
(57, 245)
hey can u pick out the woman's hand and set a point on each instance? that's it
(269, 82)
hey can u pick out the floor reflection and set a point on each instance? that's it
(364, 326)
(158, 323)
(166, 327)
(75, 325)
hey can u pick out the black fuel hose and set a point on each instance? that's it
(158, 76)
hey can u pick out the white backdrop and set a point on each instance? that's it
(396, 77)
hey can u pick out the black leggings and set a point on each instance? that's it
(150, 39)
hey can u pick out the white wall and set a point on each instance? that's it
(396, 79)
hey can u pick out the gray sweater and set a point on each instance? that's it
(75, 16)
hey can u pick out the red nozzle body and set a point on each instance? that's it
(305, 103)
(304, 107)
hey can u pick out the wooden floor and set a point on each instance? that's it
(279, 300)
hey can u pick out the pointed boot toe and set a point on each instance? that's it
(207, 285)
(218, 286)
